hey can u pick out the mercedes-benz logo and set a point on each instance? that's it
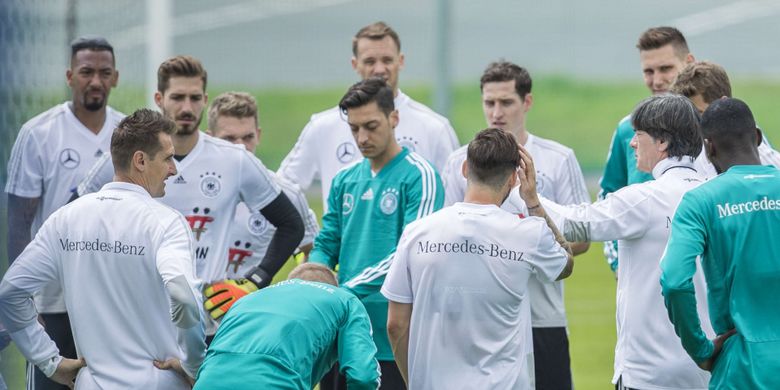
(70, 158)
(346, 152)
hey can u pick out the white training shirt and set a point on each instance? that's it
(211, 180)
(251, 233)
(51, 155)
(122, 259)
(466, 269)
(767, 155)
(326, 144)
(648, 354)
(559, 178)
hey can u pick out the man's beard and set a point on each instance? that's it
(188, 129)
(94, 104)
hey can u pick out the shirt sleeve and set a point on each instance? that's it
(310, 225)
(327, 245)
(357, 351)
(454, 182)
(35, 267)
(25, 168)
(99, 175)
(300, 166)
(678, 265)
(423, 197)
(257, 186)
(550, 258)
(398, 284)
(621, 216)
(176, 266)
(615, 174)
(571, 188)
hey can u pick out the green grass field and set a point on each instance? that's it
(579, 114)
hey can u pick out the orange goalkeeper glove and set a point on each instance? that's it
(222, 295)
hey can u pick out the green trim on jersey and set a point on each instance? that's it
(287, 336)
(366, 216)
(732, 221)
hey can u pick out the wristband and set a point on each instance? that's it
(259, 277)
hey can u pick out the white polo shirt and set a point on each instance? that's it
(326, 144)
(117, 253)
(51, 155)
(648, 354)
(211, 180)
(466, 270)
(767, 155)
(559, 178)
(251, 233)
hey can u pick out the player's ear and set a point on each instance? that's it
(689, 58)
(115, 79)
(528, 101)
(258, 133)
(158, 98)
(139, 160)
(464, 169)
(709, 149)
(662, 145)
(69, 77)
(394, 119)
(354, 63)
(759, 137)
(401, 59)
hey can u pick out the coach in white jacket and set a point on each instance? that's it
(125, 263)
(666, 140)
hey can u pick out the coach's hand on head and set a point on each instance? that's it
(526, 173)
(175, 366)
(66, 371)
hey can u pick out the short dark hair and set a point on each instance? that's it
(492, 156)
(180, 66)
(658, 37)
(91, 42)
(506, 71)
(138, 131)
(313, 272)
(375, 32)
(703, 78)
(729, 122)
(373, 89)
(673, 119)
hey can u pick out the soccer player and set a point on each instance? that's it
(213, 177)
(506, 100)
(703, 82)
(459, 278)
(325, 144)
(369, 204)
(51, 155)
(233, 118)
(287, 336)
(666, 141)
(127, 273)
(663, 53)
(731, 223)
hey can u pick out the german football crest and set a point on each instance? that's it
(408, 142)
(388, 203)
(347, 204)
(257, 224)
(237, 254)
(210, 184)
(198, 221)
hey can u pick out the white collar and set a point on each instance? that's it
(125, 186)
(671, 163)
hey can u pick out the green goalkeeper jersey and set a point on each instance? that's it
(287, 336)
(366, 214)
(733, 222)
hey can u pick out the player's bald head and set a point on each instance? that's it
(314, 273)
(729, 123)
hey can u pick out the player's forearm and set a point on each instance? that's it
(681, 306)
(289, 232)
(185, 314)
(21, 212)
(399, 342)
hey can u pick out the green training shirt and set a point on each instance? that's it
(733, 222)
(365, 218)
(287, 336)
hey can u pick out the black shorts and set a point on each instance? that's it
(391, 378)
(57, 326)
(552, 366)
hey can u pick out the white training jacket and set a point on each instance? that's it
(125, 263)
(648, 354)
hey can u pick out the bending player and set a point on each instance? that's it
(131, 283)
(318, 324)
(214, 176)
(369, 205)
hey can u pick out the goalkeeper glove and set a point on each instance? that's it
(221, 296)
